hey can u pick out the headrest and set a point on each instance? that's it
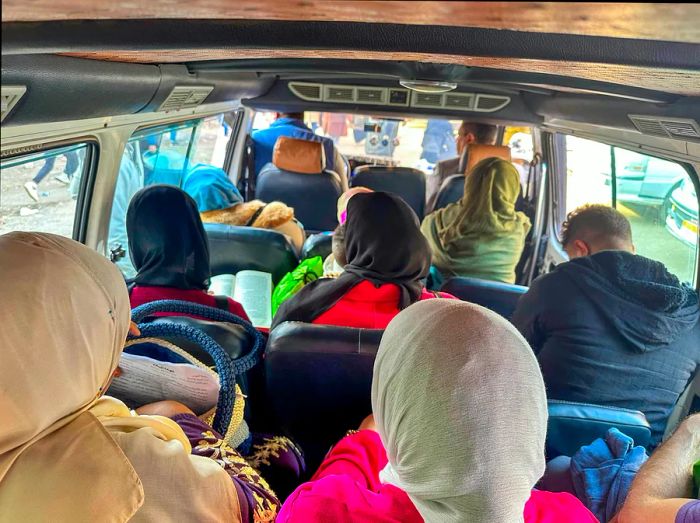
(477, 152)
(299, 156)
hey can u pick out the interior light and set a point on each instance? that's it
(427, 86)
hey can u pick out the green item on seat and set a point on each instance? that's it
(696, 479)
(307, 271)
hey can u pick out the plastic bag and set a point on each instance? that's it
(307, 271)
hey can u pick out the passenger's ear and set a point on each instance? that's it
(469, 138)
(577, 249)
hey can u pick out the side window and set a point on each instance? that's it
(162, 155)
(38, 192)
(657, 196)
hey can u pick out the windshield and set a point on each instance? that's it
(406, 142)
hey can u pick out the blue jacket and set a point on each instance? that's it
(614, 329)
(264, 141)
(602, 472)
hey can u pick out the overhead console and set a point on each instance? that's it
(398, 97)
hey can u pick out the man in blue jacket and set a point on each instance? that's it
(610, 327)
(287, 124)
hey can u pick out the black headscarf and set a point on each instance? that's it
(167, 242)
(383, 244)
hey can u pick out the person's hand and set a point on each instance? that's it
(165, 408)
(368, 423)
(134, 329)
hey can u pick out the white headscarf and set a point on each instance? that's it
(460, 406)
(66, 452)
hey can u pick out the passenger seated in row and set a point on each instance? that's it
(387, 262)
(662, 491)
(468, 133)
(461, 416)
(610, 327)
(169, 249)
(69, 453)
(482, 235)
(219, 201)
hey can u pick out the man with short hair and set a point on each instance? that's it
(610, 327)
(286, 124)
(468, 133)
(663, 488)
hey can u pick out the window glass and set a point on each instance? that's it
(519, 139)
(162, 155)
(38, 192)
(408, 142)
(657, 196)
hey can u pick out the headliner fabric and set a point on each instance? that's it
(66, 452)
(383, 244)
(460, 406)
(167, 242)
(482, 235)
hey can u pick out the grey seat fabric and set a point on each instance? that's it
(313, 197)
(451, 191)
(572, 425)
(317, 382)
(233, 248)
(317, 245)
(405, 182)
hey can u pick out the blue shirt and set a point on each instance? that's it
(264, 141)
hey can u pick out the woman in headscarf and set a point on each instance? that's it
(461, 416)
(482, 235)
(68, 453)
(169, 249)
(219, 201)
(387, 262)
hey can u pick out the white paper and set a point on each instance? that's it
(253, 290)
(223, 285)
(145, 380)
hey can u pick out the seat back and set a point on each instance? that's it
(233, 248)
(494, 295)
(451, 191)
(477, 152)
(573, 425)
(298, 177)
(405, 182)
(318, 380)
(317, 245)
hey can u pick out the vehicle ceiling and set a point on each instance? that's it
(585, 62)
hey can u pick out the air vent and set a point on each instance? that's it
(306, 91)
(486, 103)
(339, 93)
(649, 126)
(10, 97)
(185, 97)
(431, 100)
(398, 97)
(682, 129)
(369, 95)
(458, 101)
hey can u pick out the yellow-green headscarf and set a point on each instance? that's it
(482, 235)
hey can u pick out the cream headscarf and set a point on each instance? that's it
(460, 406)
(66, 452)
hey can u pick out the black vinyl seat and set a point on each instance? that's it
(572, 425)
(451, 191)
(233, 248)
(405, 182)
(298, 177)
(494, 295)
(317, 245)
(318, 381)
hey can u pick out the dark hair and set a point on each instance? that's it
(296, 116)
(596, 223)
(483, 132)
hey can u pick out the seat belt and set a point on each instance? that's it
(251, 177)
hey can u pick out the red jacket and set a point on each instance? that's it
(145, 294)
(346, 489)
(368, 307)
